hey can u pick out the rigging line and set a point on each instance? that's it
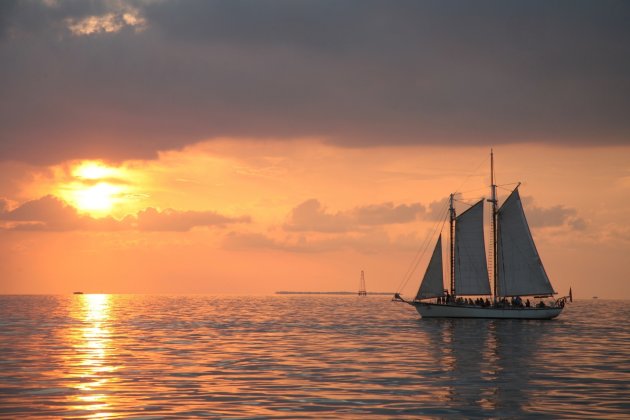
(419, 254)
(415, 267)
(464, 202)
(431, 236)
(421, 251)
(485, 160)
(416, 261)
(469, 191)
(506, 189)
(442, 215)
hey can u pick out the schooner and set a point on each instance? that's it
(517, 271)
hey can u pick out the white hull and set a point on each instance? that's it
(432, 310)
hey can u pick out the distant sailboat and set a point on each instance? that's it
(517, 269)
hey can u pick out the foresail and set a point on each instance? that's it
(433, 282)
(471, 269)
(519, 268)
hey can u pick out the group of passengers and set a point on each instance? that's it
(514, 302)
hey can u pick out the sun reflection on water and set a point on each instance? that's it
(85, 356)
(90, 365)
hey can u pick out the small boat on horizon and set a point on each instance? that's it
(517, 271)
(77, 293)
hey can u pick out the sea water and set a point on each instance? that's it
(135, 356)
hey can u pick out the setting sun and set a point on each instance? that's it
(94, 187)
(94, 170)
(98, 198)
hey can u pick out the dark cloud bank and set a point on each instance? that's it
(158, 75)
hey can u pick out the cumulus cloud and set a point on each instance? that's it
(437, 210)
(46, 213)
(87, 84)
(50, 213)
(388, 213)
(363, 242)
(554, 216)
(549, 216)
(109, 22)
(311, 215)
(172, 220)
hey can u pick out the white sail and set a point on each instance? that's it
(433, 282)
(519, 268)
(471, 269)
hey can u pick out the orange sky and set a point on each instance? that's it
(199, 147)
(238, 216)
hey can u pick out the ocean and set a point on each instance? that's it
(157, 356)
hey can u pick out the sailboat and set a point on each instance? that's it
(517, 271)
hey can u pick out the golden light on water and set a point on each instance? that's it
(91, 362)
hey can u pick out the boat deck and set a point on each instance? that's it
(452, 310)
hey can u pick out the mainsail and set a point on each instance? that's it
(433, 283)
(519, 268)
(471, 269)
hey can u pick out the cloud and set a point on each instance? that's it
(353, 73)
(49, 213)
(312, 216)
(388, 213)
(369, 242)
(554, 216)
(4, 205)
(577, 223)
(437, 210)
(109, 22)
(549, 216)
(46, 213)
(151, 219)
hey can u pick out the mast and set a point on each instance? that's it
(452, 244)
(493, 200)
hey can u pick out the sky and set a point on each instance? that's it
(242, 147)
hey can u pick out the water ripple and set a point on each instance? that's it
(293, 357)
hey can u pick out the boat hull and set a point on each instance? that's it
(431, 310)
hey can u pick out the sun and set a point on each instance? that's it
(99, 198)
(93, 170)
(95, 188)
